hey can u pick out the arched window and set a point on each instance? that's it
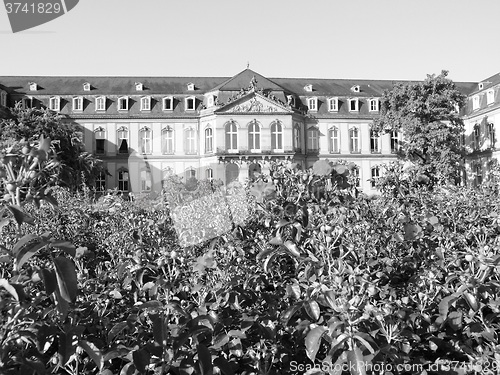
(146, 140)
(232, 173)
(254, 170)
(100, 140)
(167, 140)
(334, 140)
(123, 180)
(122, 137)
(100, 103)
(254, 136)
(190, 173)
(313, 139)
(146, 103)
(354, 140)
(394, 141)
(276, 136)
(296, 137)
(374, 142)
(145, 180)
(375, 175)
(231, 137)
(209, 140)
(190, 141)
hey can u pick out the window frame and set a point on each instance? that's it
(100, 103)
(491, 134)
(232, 136)
(333, 104)
(395, 147)
(475, 102)
(374, 105)
(356, 101)
(101, 132)
(164, 101)
(121, 101)
(3, 98)
(120, 139)
(476, 132)
(190, 142)
(277, 136)
(312, 104)
(334, 140)
(167, 141)
(490, 96)
(146, 140)
(146, 179)
(209, 140)
(146, 103)
(78, 100)
(55, 103)
(354, 140)
(375, 140)
(100, 182)
(311, 141)
(187, 101)
(374, 173)
(297, 139)
(123, 182)
(254, 137)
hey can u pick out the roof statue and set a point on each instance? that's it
(253, 84)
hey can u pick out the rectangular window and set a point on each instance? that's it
(168, 104)
(100, 139)
(146, 140)
(123, 104)
(100, 103)
(190, 104)
(100, 182)
(491, 134)
(334, 141)
(146, 103)
(475, 102)
(209, 140)
(333, 104)
(168, 141)
(54, 103)
(122, 141)
(145, 181)
(477, 137)
(374, 142)
(313, 140)
(490, 97)
(478, 174)
(353, 105)
(190, 142)
(78, 104)
(394, 141)
(375, 175)
(374, 105)
(312, 103)
(354, 140)
(123, 180)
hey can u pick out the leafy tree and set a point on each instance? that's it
(426, 114)
(78, 167)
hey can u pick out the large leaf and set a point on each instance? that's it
(356, 361)
(49, 280)
(67, 347)
(224, 365)
(65, 246)
(312, 309)
(20, 216)
(445, 304)
(204, 360)
(313, 341)
(26, 247)
(9, 288)
(292, 248)
(117, 328)
(66, 278)
(93, 352)
(141, 359)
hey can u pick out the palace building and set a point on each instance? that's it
(147, 128)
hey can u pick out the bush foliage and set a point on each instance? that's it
(318, 279)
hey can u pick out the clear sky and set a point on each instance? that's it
(371, 39)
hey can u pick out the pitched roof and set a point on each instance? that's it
(243, 79)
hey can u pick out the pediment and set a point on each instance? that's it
(254, 103)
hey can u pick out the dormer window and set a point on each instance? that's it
(78, 103)
(55, 103)
(490, 97)
(3, 99)
(123, 103)
(373, 105)
(190, 86)
(139, 86)
(308, 88)
(33, 86)
(475, 102)
(146, 103)
(100, 103)
(355, 88)
(333, 104)
(86, 86)
(481, 85)
(210, 101)
(312, 103)
(353, 105)
(190, 103)
(290, 100)
(168, 103)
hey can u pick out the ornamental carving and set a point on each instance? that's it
(253, 105)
